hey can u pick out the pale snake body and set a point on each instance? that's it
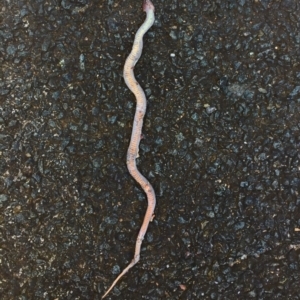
(140, 111)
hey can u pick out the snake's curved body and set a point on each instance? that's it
(133, 149)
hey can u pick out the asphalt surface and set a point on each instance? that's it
(220, 146)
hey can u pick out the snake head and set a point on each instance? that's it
(147, 5)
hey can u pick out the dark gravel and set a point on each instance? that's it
(221, 147)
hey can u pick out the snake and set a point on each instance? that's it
(133, 149)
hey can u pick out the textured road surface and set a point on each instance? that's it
(220, 145)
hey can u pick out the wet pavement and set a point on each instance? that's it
(220, 146)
